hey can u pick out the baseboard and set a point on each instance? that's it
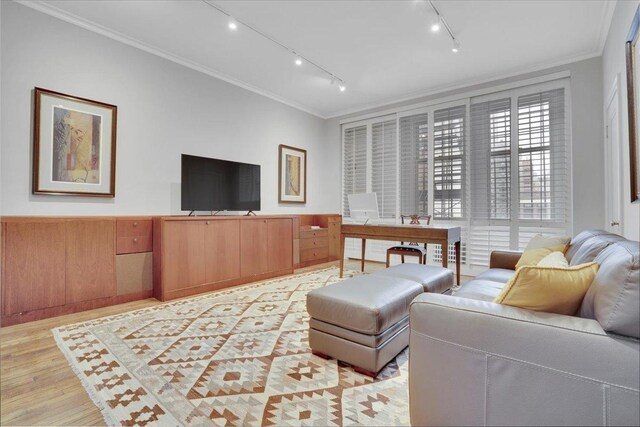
(45, 313)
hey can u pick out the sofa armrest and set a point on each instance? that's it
(504, 259)
(475, 362)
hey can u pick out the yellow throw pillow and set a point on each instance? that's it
(554, 259)
(540, 246)
(549, 289)
(532, 257)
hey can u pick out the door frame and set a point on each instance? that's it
(613, 97)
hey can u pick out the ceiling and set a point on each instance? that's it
(383, 50)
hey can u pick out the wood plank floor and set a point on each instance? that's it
(37, 386)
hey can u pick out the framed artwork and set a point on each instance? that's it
(292, 177)
(74, 145)
(633, 101)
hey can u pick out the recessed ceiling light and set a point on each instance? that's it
(435, 27)
(298, 62)
(233, 25)
(342, 88)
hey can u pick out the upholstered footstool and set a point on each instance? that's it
(434, 279)
(362, 321)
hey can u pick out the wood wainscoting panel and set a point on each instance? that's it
(90, 260)
(222, 250)
(134, 273)
(253, 247)
(280, 244)
(34, 266)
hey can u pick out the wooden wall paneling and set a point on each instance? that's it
(253, 247)
(183, 256)
(222, 250)
(280, 244)
(90, 260)
(34, 267)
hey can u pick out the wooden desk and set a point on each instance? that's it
(408, 233)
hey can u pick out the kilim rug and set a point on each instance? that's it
(233, 357)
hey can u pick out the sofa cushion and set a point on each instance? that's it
(368, 304)
(501, 275)
(579, 240)
(549, 289)
(614, 296)
(590, 249)
(482, 290)
(432, 278)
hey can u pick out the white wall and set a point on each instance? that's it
(614, 64)
(586, 127)
(164, 109)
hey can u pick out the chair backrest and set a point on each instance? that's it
(415, 219)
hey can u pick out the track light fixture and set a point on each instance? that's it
(299, 59)
(436, 27)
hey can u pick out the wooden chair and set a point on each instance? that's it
(410, 249)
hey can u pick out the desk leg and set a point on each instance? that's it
(445, 254)
(457, 247)
(364, 246)
(342, 239)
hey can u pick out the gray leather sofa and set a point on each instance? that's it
(474, 362)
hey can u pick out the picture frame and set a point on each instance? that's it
(292, 175)
(74, 145)
(632, 49)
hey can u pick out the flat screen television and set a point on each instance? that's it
(219, 185)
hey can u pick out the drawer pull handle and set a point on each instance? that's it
(207, 222)
(135, 224)
(135, 240)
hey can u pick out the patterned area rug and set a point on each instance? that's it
(234, 357)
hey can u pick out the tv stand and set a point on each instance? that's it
(250, 213)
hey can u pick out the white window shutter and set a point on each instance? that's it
(354, 164)
(383, 166)
(414, 165)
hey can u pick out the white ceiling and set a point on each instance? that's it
(384, 50)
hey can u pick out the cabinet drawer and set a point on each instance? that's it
(133, 244)
(316, 242)
(134, 227)
(307, 234)
(316, 253)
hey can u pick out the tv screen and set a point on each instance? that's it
(219, 185)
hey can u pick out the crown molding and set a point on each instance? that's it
(463, 85)
(71, 18)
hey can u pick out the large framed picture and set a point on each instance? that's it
(74, 145)
(633, 101)
(292, 176)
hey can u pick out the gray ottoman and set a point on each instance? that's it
(437, 280)
(362, 321)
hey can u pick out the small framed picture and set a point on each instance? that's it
(292, 177)
(74, 145)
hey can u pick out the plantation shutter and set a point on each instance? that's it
(449, 162)
(543, 159)
(414, 165)
(354, 164)
(383, 166)
(490, 157)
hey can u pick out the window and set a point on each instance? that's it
(449, 167)
(354, 164)
(383, 166)
(414, 165)
(497, 165)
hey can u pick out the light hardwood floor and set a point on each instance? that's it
(37, 386)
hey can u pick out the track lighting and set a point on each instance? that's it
(435, 27)
(299, 59)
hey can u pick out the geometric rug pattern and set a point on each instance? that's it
(236, 357)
